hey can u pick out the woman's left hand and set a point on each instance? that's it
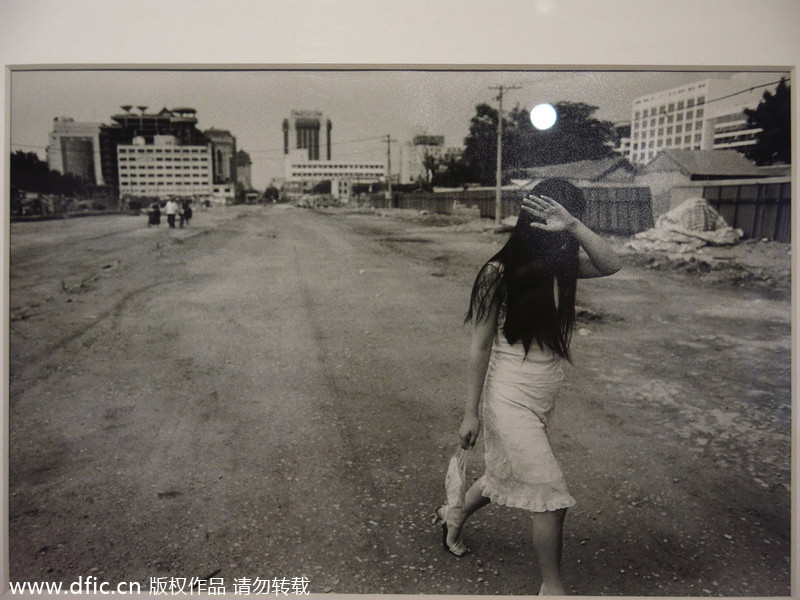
(556, 218)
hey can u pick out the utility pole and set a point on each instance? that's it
(498, 192)
(389, 141)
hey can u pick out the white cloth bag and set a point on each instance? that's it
(455, 483)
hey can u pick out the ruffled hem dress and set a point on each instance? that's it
(518, 398)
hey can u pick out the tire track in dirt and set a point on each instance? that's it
(283, 399)
(89, 308)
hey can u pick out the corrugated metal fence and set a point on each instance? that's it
(760, 210)
(613, 209)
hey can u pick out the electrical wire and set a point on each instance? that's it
(382, 139)
(744, 91)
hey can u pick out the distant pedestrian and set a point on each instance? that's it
(153, 214)
(186, 212)
(171, 209)
(522, 308)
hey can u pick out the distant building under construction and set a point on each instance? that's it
(179, 123)
(148, 154)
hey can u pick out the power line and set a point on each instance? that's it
(29, 146)
(742, 91)
(750, 89)
(370, 139)
(501, 92)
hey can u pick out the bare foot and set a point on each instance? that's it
(452, 520)
(455, 521)
(552, 589)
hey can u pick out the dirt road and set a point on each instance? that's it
(274, 392)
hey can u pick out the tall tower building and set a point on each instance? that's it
(223, 154)
(307, 130)
(74, 149)
(307, 150)
(243, 172)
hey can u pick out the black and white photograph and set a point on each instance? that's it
(383, 329)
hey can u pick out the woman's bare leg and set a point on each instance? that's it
(456, 517)
(548, 528)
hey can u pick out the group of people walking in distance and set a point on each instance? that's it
(522, 312)
(172, 209)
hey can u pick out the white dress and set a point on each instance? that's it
(518, 399)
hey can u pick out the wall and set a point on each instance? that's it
(613, 209)
(760, 208)
(661, 184)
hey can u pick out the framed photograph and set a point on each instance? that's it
(245, 301)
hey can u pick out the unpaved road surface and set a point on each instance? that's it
(274, 393)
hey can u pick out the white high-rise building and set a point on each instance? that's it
(731, 130)
(164, 168)
(673, 118)
(703, 115)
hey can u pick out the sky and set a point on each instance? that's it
(364, 106)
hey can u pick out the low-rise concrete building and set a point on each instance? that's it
(582, 172)
(343, 175)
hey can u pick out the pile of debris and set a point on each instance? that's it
(694, 238)
(685, 229)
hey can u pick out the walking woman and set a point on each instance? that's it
(522, 309)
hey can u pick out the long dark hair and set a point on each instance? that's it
(524, 274)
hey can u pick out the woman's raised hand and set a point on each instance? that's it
(556, 217)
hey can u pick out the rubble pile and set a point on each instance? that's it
(685, 229)
(694, 238)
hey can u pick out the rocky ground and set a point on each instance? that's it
(759, 263)
(275, 392)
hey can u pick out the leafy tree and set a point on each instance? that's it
(31, 174)
(322, 187)
(431, 162)
(452, 171)
(773, 117)
(480, 146)
(272, 194)
(576, 135)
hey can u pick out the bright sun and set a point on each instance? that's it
(543, 116)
